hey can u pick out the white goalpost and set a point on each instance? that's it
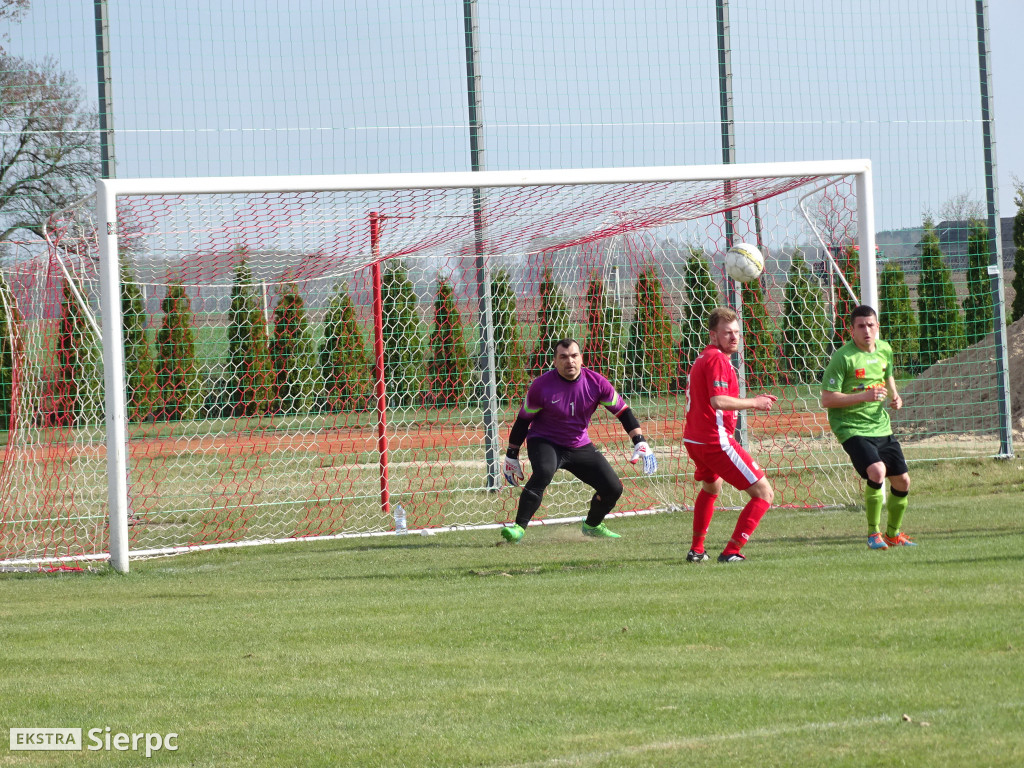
(340, 355)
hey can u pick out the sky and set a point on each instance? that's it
(258, 87)
(1006, 21)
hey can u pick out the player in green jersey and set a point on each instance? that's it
(857, 382)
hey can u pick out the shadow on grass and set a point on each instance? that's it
(532, 564)
(556, 550)
(975, 560)
(922, 539)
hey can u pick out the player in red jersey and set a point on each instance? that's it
(712, 399)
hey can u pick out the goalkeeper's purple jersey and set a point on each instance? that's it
(560, 410)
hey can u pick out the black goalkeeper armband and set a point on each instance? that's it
(640, 439)
(629, 420)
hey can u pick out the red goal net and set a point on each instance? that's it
(316, 363)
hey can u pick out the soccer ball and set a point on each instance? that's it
(744, 262)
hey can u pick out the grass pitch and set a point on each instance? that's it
(452, 650)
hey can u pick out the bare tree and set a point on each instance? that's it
(962, 207)
(48, 143)
(11, 10)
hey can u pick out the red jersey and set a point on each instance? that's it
(712, 374)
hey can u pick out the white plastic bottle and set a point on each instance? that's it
(399, 513)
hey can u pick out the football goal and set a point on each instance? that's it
(212, 362)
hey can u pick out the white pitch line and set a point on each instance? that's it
(697, 741)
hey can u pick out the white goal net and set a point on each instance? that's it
(305, 357)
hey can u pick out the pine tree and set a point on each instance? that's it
(553, 318)
(177, 370)
(942, 329)
(897, 322)
(509, 357)
(760, 348)
(650, 354)
(76, 381)
(12, 351)
(142, 395)
(295, 370)
(344, 361)
(448, 367)
(978, 304)
(403, 355)
(848, 261)
(604, 329)
(704, 296)
(250, 374)
(1017, 308)
(805, 325)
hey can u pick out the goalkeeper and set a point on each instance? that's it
(712, 400)
(555, 417)
(857, 382)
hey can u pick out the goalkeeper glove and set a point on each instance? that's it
(513, 469)
(641, 450)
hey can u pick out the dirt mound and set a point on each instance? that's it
(960, 394)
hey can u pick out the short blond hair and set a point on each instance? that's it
(720, 315)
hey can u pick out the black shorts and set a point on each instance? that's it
(586, 462)
(865, 451)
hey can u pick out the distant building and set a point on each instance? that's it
(903, 245)
(1006, 225)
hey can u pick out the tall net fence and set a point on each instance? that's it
(195, 89)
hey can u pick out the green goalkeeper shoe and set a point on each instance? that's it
(599, 531)
(513, 533)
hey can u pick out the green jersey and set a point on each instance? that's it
(853, 370)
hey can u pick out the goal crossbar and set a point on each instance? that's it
(473, 179)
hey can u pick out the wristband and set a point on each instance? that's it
(640, 439)
(512, 453)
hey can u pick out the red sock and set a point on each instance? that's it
(749, 517)
(703, 511)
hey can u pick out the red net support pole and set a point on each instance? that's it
(378, 363)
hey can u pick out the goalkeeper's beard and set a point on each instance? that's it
(573, 375)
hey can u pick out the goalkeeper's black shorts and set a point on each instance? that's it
(865, 451)
(586, 462)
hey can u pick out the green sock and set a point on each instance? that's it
(896, 506)
(873, 506)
